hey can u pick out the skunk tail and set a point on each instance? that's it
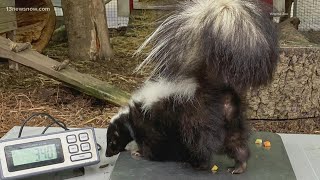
(231, 40)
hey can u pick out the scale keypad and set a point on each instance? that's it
(79, 157)
(73, 148)
(85, 146)
(71, 139)
(81, 147)
(83, 137)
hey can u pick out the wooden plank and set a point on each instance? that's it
(82, 82)
(7, 16)
(8, 26)
(7, 3)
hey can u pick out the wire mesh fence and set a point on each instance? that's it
(308, 11)
(113, 19)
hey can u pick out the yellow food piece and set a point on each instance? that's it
(214, 168)
(267, 144)
(258, 141)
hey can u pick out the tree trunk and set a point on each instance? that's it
(102, 48)
(87, 29)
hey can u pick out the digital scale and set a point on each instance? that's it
(46, 153)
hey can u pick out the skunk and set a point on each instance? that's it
(190, 131)
(205, 56)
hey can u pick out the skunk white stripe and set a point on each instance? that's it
(122, 111)
(225, 12)
(154, 91)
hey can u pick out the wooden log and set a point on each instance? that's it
(35, 26)
(82, 82)
(295, 90)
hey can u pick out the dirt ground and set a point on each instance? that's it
(26, 91)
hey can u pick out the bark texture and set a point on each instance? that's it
(87, 29)
(100, 41)
(295, 90)
(35, 27)
(78, 27)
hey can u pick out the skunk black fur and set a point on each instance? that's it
(189, 131)
(206, 56)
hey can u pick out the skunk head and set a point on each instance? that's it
(119, 133)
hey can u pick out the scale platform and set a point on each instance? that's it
(264, 164)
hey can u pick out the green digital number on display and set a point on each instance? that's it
(34, 154)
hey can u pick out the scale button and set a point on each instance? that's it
(79, 157)
(83, 137)
(73, 148)
(85, 147)
(71, 139)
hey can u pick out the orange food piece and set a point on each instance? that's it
(267, 144)
(267, 148)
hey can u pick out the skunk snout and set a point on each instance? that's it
(110, 152)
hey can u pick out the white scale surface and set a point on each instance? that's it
(303, 151)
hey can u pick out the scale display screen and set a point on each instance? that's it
(35, 154)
